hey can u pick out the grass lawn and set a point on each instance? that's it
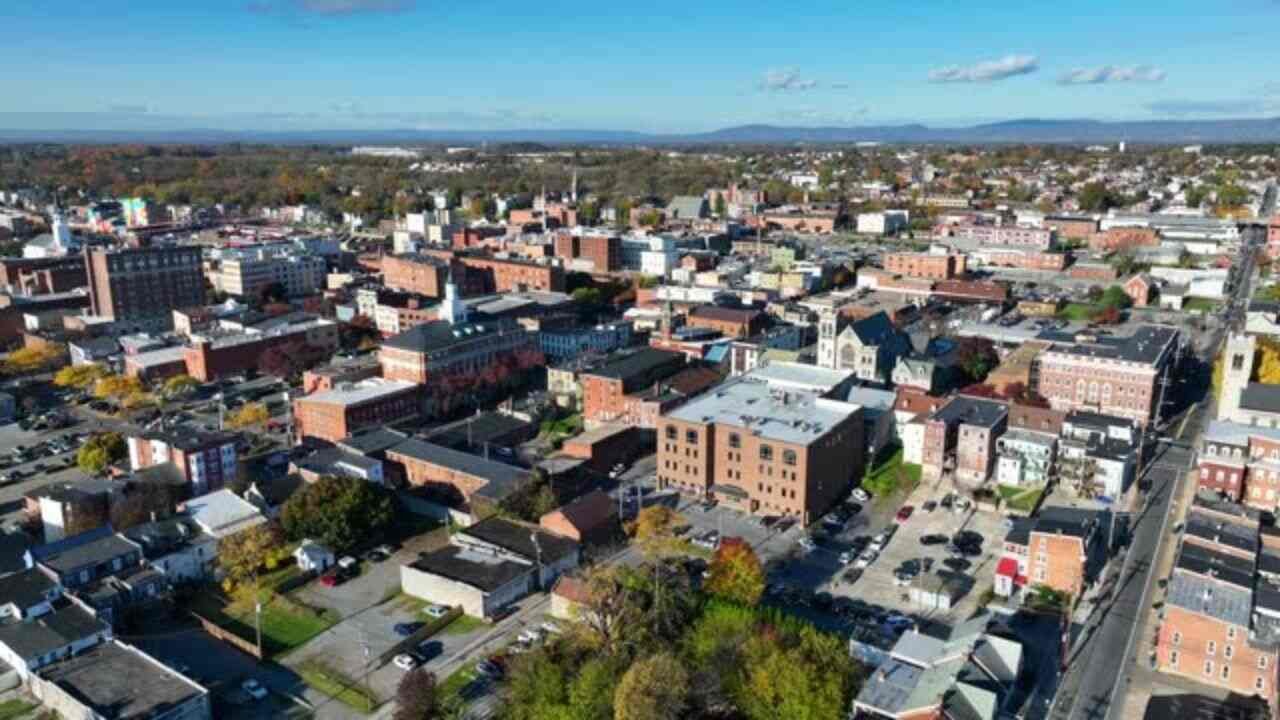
(338, 686)
(286, 623)
(1078, 312)
(1200, 304)
(1024, 501)
(15, 708)
(890, 475)
(462, 625)
(1008, 492)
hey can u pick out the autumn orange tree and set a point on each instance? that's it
(735, 573)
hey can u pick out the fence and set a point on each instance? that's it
(228, 636)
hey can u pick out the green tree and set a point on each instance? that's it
(1097, 197)
(655, 688)
(248, 415)
(591, 694)
(100, 451)
(721, 207)
(339, 512)
(243, 555)
(1115, 297)
(79, 376)
(795, 682)
(179, 385)
(735, 573)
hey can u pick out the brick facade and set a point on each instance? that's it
(925, 265)
(419, 274)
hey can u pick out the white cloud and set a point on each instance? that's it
(1112, 73)
(786, 80)
(987, 70)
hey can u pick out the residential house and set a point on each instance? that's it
(1098, 454)
(960, 438)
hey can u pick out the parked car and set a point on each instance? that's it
(929, 506)
(933, 539)
(861, 495)
(405, 629)
(846, 557)
(333, 578)
(489, 669)
(904, 513)
(254, 689)
(529, 635)
(436, 611)
(865, 559)
(346, 562)
(807, 544)
(405, 661)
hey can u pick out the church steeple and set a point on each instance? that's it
(453, 310)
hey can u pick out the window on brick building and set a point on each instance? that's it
(766, 452)
(690, 436)
(1177, 638)
(1208, 667)
(1231, 632)
(1262, 662)
(735, 440)
(1226, 672)
(789, 457)
(1173, 659)
(671, 432)
(1228, 651)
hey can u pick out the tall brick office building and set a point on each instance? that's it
(144, 285)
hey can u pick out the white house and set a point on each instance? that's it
(313, 557)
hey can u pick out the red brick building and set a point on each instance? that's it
(1110, 375)
(1242, 462)
(925, 265)
(730, 322)
(1220, 619)
(1026, 260)
(1072, 227)
(1062, 548)
(962, 434)
(334, 414)
(1100, 272)
(762, 450)
(453, 476)
(205, 460)
(415, 273)
(474, 237)
(424, 352)
(1124, 238)
(1141, 289)
(605, 389)
(144, 285)
(209, 357)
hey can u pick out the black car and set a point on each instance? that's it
(967, 537)
(965, 550)
(958, 564)
(933, 539)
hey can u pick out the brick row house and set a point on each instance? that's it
(1062, 548)
(961, 437)
(1241, 463)
(1221, 623)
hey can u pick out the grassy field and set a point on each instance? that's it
(462, 625)
(286, 623)
(15, 708)
(1200, 304)
(1019, 498)
(890, 475)
(453, 685)
(338, 686)
(1078, 312)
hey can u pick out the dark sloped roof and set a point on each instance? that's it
(13, 550)
(518, 538)
(483, 573)
(637, 364)
(1075, 522)
(1198, 707)
(502, 478)
(372, 441)
(874, 329)
(89, 553)
(26, 588)
(441, 334)
(49, 632)
(589, 511)
(119, 682)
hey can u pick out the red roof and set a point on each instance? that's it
(1008, 567)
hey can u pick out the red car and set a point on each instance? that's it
(904, 513)
(329, 579)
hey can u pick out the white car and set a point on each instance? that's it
(529, 635)
(807, 543)
(861, 495)
(550, 627)
(846, 557)
(405, 662)
(436, 611)
(865, 559)
(254, 689)
(347, 562)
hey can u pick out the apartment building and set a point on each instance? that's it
(960, 438)
(144, 285)
(334, 414)
(1221, 619)
(932, 266)
(1098, 454)
(497, 275)
(1021, 258)
(205, 460)
(763, 449)
(248, 272)
(602, 252)
(1121, 376)
(1062, 548)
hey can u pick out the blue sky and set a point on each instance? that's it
(654, 66)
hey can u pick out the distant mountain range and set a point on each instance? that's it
(1012, 131)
